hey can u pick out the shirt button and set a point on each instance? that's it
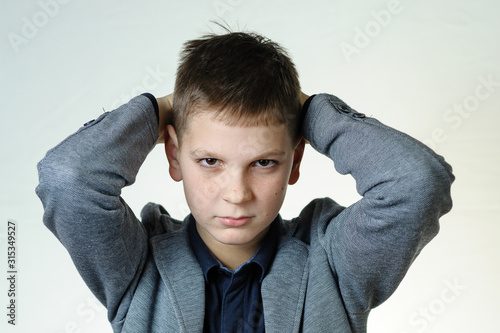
(358, 115)
(89, 122)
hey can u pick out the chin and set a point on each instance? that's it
(241, 238)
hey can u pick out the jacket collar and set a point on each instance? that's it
(184, 281)
(284, 287)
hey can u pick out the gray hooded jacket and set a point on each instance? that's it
(332, 266)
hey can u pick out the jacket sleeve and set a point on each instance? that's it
(405, 189)
(80, 182)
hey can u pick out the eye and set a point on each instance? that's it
(265, 163)
(209, 162)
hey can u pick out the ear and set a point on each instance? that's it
(297, 158)
(172, 152)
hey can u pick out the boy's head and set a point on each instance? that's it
(242, 78)
(237, 113)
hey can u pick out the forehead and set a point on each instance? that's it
(206, 133)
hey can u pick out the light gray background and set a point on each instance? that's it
(428, 68)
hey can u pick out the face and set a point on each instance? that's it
(235, 177)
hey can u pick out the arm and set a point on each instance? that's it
(405, 188)
(80, 185)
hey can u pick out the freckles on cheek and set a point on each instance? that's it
(282, 190)
(272, 189)
(207, 191)
(202, 194)
(208, 186)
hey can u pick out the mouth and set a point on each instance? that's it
(229, 221)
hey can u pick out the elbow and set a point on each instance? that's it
(55, 176)
(50, 189)
(432, 189)
(60, 185)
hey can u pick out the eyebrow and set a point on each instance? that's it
(199, 153)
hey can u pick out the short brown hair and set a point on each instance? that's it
(247, 77)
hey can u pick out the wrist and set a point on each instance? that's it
(164, 114)
(303, 98)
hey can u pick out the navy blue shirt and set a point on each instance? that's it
(233, 302)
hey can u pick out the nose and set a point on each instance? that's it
(237, 189)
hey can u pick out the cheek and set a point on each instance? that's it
(273, 193)
(200, 191)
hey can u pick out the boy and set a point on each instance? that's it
(235, 136)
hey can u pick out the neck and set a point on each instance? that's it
(231, 256)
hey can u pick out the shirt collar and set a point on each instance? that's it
(263, 257)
